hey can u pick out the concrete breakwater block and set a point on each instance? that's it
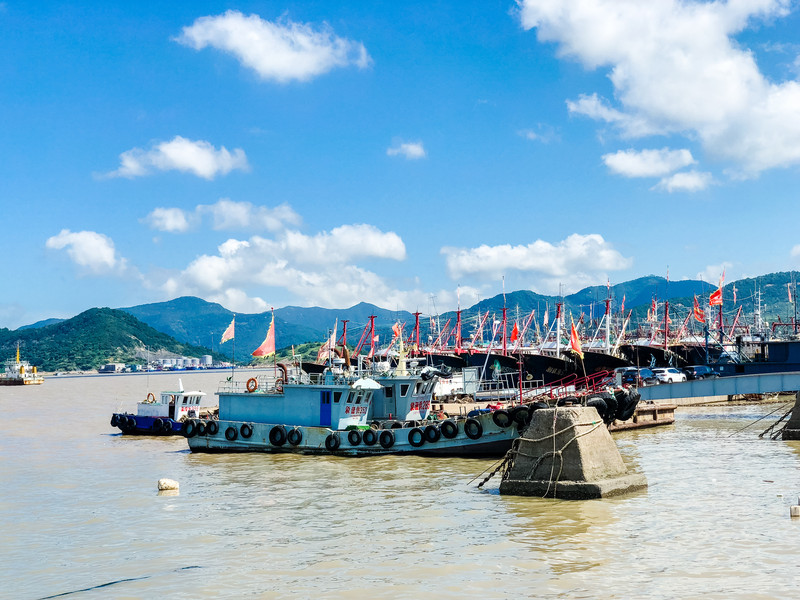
(568, 453)
(792, 429)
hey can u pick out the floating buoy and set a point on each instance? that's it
(794, 511)
(167, 484)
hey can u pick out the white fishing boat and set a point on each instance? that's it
(20, 372)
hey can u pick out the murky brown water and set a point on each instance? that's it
(79, 509)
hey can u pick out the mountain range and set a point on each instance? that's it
(191, 326)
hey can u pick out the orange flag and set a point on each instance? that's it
(267, 347)
(514, 333)
(575, 341)
(698, 313)
(716, 298)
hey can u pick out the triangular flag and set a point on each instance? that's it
(267, 347)
(228, 333)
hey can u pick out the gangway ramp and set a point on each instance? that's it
(765, 383)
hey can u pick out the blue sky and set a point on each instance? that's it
(264, 154)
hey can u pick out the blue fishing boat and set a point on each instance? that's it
(164, 415)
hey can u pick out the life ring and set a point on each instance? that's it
(279, 385)
(295, 436)
(151, 398)
(246, 431)
(432, 434)
(252, 385)
(354, 437)
(386, 438)
(369, 437)
(277, 435)
(231, 434)
(449, 429)
(473, 429)
(332, 442)
(416, 437)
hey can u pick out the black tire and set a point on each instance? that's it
(394, 425)
(432, 434)
(568, 400)
(166, 427)
(386, 438)
(601, 407)
(354, 437)
(633, 401)
(114, 420)
(473, 429)
(520, 415)
(449, 429)
(332, 442)
(538, 406)
(277, 435)
(212, 427)
(201, 427)
(189, 428)
(369, 437)
(294, 436)
(157, 426)
(612, 404)
(416, 437)
(501, 418)
(246, 431)
(231, 433)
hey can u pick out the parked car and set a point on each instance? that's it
(700, 372)
(669, 375)
(639, 377)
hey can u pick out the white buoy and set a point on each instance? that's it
(794, 511)
(167, 484)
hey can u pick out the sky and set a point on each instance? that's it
(415, 155)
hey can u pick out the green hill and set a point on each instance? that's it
(91, 339)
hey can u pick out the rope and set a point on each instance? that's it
(760, 418)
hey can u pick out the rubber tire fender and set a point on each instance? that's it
(354, 437)
(201, 427)
(277, 435)
(189, 428)
(369, 437)
(114, 419)
(294, 436)
(449, 429)
(473, 429)
(416, 437)
(231, 433)
(521, 415)
(502, 418)
(432, 434)
(212, 427)
(332, 442)
(386, 438)
(246, 430)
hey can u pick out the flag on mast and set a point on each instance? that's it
(575, 341)
(329, 345)
(267, 347)
(716, 298)
(698, 314)
(789, 289)
(228, 333)
(515, 332)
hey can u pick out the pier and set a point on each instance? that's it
(721, 388)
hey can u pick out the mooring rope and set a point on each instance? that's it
(764, 417)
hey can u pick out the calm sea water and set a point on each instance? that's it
(80, 515)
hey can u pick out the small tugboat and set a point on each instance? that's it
(20, 372)
(162, 416)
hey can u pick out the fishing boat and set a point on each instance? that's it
(164, 415)
(20, 372)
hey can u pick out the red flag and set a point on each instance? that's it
(228, 333)
(789, 289)
(655, 309)
(734, 294)
(267, 347)
(716, 298)
(575, 341)
(622, 308)
(514, 333)
(397, 330)
(698, 313)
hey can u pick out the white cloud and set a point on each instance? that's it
(280, 51)
(318, 269)
(676, 68)
(542, 133)
(92, 251)
(411, 150)
(689, 181)
(647, 163)
(181, 154)
(713, 273)
(575, 260)
(173, 220)
(795, 251)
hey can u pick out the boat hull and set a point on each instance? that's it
(144, 425)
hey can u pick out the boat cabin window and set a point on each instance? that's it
(336, 397)
(404, 389)
(388, 391)
(419, 388)
(358, 397)
(350, 398)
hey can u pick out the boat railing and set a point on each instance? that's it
(508, 387)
